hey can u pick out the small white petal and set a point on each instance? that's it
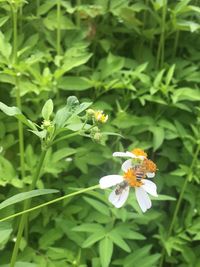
(150, 174)
(127, 165)
(142, 199)
(110, 180)
(130, 154)
(120, 154)
(118, 200)
(149, 187)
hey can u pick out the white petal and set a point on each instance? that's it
(127, 165)
(149, 187)
(130, 154)
(142, 199)
(120, 154)
(110, 180)
(118, 200)
(150, 174)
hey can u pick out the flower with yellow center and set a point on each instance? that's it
(138, 156)
(100, 116)
(136, 153)
(132, 177)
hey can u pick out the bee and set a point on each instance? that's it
(139, 172)
(121, 187)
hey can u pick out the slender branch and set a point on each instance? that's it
(14, 11)
(26, 206)
(161, 46)
(78, 3)
(58, 38)
(50, 202)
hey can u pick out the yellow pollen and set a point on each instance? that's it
(149, 165)
(99, 116)
(130, 177)
(139, 152)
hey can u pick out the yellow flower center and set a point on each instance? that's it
(99, 116)
(130, 177)
(149, 165)
(139, 152)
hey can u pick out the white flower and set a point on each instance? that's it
(138, 157)
(136, 153)
(130, 179)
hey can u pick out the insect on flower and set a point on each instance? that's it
(135, 173)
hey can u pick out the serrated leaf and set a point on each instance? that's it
(26, 195)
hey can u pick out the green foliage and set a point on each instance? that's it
(139, 62)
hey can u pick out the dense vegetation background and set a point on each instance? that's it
(139, 61)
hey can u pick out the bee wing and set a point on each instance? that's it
(118, 200)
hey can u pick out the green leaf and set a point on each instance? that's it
(49, 237)
(117, 239)
(71, 61)
(47, 109)
(186, 94)
(163, 198)
(74, 83)
(170, 74)
(88, 227)
(5, 232)
(10, 111)
(65, 113)
(105, 251)
(98, 206)
(26, 195)
(14, 111)
(158, 136)
(21, 264)
(93, 238)
(63, 153)
(5, 47)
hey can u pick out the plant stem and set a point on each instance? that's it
(65, 137)
(78, 3)
(26, 206)
(161, 46)
(58, 37)
(176, 43)
(188, 178)
(18, 98)
(50, 202)
(37, 8)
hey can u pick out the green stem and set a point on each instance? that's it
(37, 8)
(14, 11)
(50, 202)
(58, 37)
(65, 137)
(178, 204)
(176, 43)
(161, 46)
(78, 3)
(26, 206)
